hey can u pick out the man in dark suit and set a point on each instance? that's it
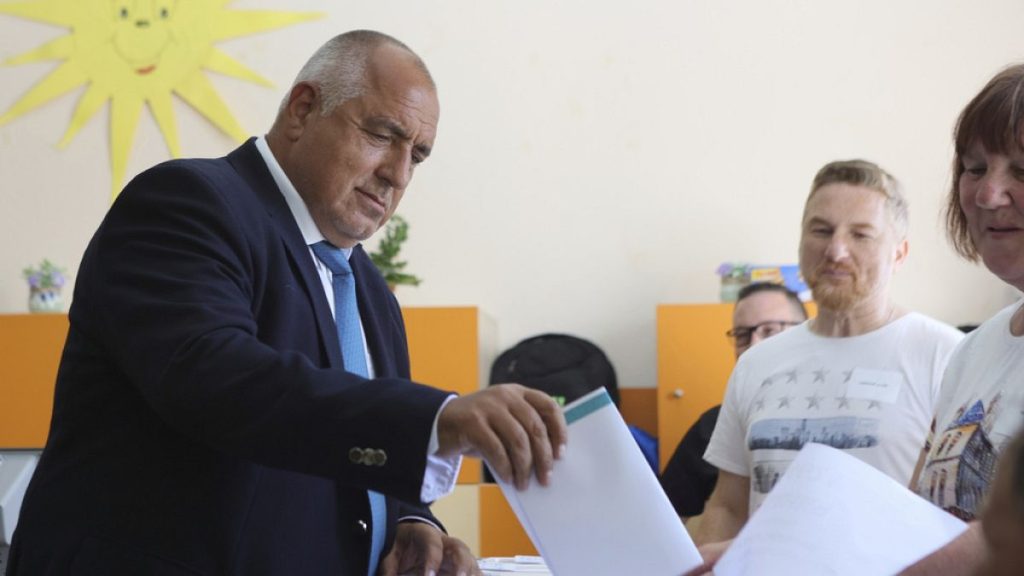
(207, 420)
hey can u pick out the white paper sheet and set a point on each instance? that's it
(603, 513)
(832, 514)
(516, 565)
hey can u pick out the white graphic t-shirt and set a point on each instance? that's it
(980, 408)
(872, 395)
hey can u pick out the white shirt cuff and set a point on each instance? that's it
(421, 520)
(441, 472)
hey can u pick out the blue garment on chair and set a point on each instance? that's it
(648, 445)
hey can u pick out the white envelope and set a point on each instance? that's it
(604, 512)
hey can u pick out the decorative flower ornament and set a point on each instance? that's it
(47, 275)
(45, 283)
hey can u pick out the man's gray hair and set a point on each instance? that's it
(338, 68)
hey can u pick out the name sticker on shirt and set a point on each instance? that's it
(881, 385)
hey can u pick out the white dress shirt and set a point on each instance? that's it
(441, 472)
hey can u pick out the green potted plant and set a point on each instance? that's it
(44, 283)
(396, 232)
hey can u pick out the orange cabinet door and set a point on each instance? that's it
(31, 345)
(445, 352)
(694, 362)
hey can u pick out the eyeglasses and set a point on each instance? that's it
(743, 335)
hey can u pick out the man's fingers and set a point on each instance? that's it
(540, 450)
(492, 449)
(532, 429)
(518, 449)
(458, 560)
(418, 550)
(508, 450)
(553, 417)
(710, 552)
(433, 554)
(389, 565)
(518, 431)
(699, 570)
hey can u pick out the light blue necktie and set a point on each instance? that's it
(353, 354)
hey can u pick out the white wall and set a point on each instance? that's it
(594, 159)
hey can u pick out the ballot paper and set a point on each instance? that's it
(833, 514)
(603, 513)
(515, 565)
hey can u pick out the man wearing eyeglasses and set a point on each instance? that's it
(762, 310)
(863, 376)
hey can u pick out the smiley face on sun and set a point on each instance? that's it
(141, 33)
(139, 52)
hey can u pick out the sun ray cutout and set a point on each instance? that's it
(136, 54)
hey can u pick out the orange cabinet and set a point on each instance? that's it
(30, 348)
(448, 349)
(694, 362)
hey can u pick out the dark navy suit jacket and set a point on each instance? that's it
(202, 422)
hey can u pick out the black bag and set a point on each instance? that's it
(566, 367)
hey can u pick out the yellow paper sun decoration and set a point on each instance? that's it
(135, 52)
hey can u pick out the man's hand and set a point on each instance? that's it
(726, 511)
(965, 554)
(710, 553)
(516, 429)
(422, 549)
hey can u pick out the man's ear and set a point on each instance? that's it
(303, 103)
(902, 249)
